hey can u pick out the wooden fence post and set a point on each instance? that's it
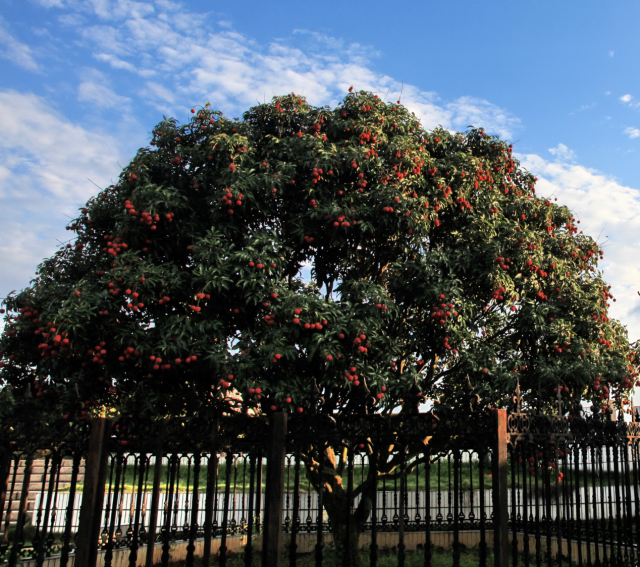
(95, 476)
(500, 490)
(272, 530)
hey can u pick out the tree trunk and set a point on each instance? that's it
(344, 520)
(343, 523)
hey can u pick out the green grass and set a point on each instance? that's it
(241, 477)
(469, 476)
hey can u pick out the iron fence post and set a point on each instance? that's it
(272, 531)
(500, 490)
(95, 477)
(155, 504)
(5, 473)
(22, 510)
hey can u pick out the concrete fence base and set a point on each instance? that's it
(306, 544)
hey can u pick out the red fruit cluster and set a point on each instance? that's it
(442, 312)
(114, 246)
(358, 341)
(498, 294)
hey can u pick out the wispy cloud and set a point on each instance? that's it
(49, 168)
(632, 132)
(630, 101)
(15, 51)
(94, 89)
(185, 60)
(583, 108)
(610, 213)
(562, 153)
(611, 53)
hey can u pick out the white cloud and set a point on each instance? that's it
(468, 111)
(583, 108)
(11, 49)
(630, 100)
(114, 61)
(188, 61)
(611, 53)
(610, 213)
(632, 132)
(48, 167)
(93, 92)
(562, 153)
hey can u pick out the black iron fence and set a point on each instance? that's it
(510, 488)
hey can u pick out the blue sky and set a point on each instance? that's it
(83, 82)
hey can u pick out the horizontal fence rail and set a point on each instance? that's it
(494, 488)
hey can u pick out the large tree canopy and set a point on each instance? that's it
(427, 255)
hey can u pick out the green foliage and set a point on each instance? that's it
(430, 255)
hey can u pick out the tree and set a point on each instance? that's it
(431, 258)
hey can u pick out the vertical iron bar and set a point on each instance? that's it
(594, 496)
(193, 527)
(5, 472)
(603, 514)
(348, 518)
(635, 459)
(212, 494)
(166, 527)
(259, 494)
(54, 470)
(155, 505)
(403, 487)
(114, 510)
(16, 466)
(22, 510)
(456, 527)
(225, 508)
(373, 552)
(248, 550)
(320, 526)
(576, 475)
(559, 534)
(567, 497)
(427, 515)
(547, 500)
(500, 489)
(133, 556)
(525, 505)
(482, 549)
(537, 496)
(514, 510)
(293, 546)
(66, 545)
(619, 532)
(629, 550)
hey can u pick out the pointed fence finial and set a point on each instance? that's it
(517, 398)
(559, 403)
